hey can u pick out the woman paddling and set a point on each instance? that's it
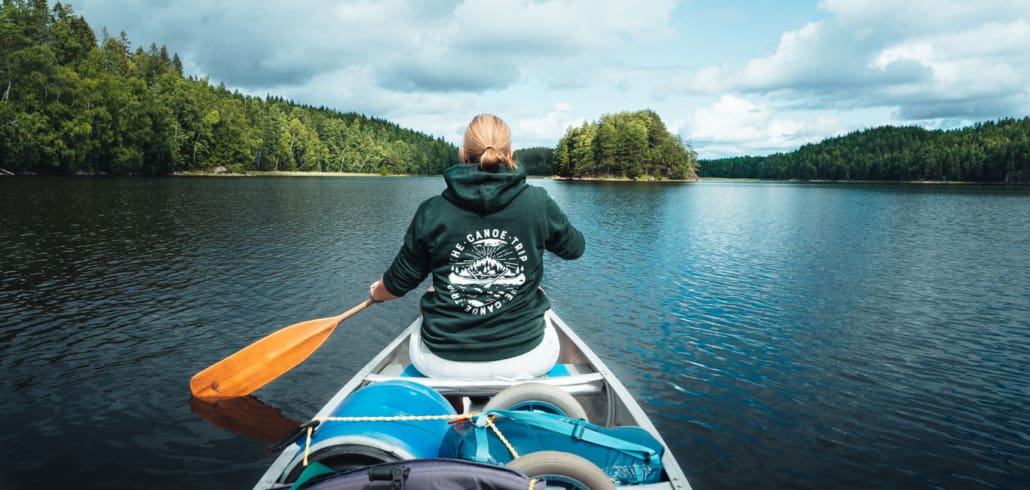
(483, 241)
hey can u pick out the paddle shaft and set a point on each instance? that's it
(265, 360)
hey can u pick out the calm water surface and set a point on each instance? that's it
(780, 335)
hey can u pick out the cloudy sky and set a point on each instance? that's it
(731, 77)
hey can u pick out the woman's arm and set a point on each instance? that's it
(563, 239)
(378, 293)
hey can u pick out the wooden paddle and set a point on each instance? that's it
(261, 362)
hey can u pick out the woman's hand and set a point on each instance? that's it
(378, 293)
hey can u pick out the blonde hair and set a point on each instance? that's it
(488, 142)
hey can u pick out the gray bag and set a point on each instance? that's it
(419, 474)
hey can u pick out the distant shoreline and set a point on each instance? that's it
(280, 173)
(297, 173)
(620, 179)
(828, 181)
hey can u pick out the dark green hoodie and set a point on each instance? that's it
(483, 240)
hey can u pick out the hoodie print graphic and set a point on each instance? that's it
(486, 270)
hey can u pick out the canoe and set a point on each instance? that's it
(579, 372)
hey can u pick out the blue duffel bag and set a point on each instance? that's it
(628, 454)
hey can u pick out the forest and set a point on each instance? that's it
(992, 151)
(71, 103)
(633, 145)
(537, 160)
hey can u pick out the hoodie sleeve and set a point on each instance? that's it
(411, 265)
(563, 239)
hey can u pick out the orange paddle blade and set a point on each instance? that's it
(265, 360)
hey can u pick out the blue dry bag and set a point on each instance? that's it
(628, 454)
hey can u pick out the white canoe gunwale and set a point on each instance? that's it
(602, 395)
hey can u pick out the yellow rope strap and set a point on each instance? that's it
(307, 445)
(490, 424)
(395, 418)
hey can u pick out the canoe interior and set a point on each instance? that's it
(605, 400)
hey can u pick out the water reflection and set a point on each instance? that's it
(246, 416)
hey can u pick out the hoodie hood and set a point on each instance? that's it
(483, 191)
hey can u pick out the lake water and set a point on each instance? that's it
(780, 335)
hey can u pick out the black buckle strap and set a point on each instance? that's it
(396, 474)
(294, 437)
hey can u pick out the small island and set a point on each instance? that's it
(625, 146)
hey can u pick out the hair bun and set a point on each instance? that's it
(488, 142)
(491, 157)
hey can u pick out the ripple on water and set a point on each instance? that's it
(780, 335)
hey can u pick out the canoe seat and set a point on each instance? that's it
(557, 370)
(574, 382)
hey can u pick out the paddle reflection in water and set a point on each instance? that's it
(246, 416)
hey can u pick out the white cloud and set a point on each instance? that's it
(917, 17)
(356, 89)
(736, 126)
(545, 130)
(708, 80)
(412, 45)
(559, 24)
(926, 60)
(731, 119)
(796, 60)
(545, 65)
(989, 59)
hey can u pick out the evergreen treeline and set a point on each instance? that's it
(986, 152)
(70, 103)
(629, 144)
(538, 160)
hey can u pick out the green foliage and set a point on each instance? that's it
(537, 160)
(985, 152)
(633, 145)
(70, 102)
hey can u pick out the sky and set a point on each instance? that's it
(731, 78)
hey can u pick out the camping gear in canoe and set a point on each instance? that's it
(580, 427)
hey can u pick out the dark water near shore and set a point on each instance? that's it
(780, 335)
